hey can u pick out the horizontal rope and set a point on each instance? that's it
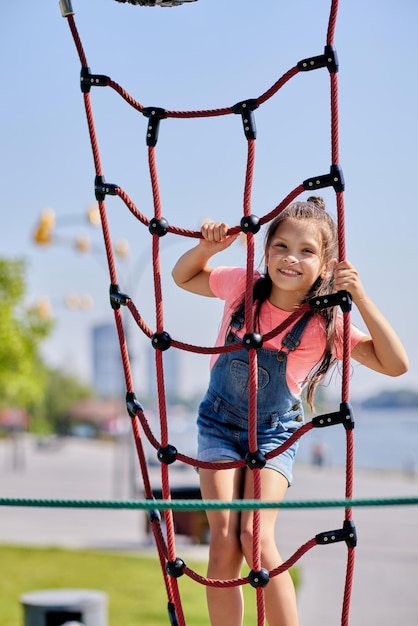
(203, 505)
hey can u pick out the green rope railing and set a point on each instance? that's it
(205, 505)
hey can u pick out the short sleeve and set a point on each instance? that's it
(228, 283)
(356, 335)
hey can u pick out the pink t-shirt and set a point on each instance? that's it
(228, 283)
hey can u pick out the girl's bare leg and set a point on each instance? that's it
(280, 596)
(225, 555)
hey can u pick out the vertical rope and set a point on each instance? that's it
(124, 351)
(159, 319)
(345, 616)
(345, 383)
(156, 240)
(253, 378)
(261, 606)
(141, 457)
(332, 22)
(249, 316)
(77, 40)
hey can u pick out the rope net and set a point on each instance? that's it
(172, 566)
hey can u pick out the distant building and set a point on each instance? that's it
(108, 378)
(172, 372)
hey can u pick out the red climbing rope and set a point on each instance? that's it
(171, 565)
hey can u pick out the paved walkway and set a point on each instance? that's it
(385, 580)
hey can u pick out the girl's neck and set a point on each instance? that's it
(287, 301)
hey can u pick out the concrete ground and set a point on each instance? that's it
(385, 578)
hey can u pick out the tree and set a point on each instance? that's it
(62, 392)
(22, 373)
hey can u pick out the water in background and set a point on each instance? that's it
(384, 439)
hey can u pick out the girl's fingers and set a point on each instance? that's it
(216, 231)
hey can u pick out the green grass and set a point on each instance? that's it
(134, 584)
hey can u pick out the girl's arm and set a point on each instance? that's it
(383, 350)
(191, 272)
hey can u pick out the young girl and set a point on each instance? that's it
(301, 262)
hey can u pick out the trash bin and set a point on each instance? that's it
(56, 607)
(193, 524)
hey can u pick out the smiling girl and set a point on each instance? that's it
(301, 263)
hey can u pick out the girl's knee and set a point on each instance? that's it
(225, 551)
(268, 546)
(246, 539)
(223, 542)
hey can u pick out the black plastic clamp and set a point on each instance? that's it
(347, 533)
(102, 188)
(252, 340)
(329, 59)
(132, 404)
(175, 568)
(88, 80)
(245, 109)
(154, 515)
(341, 298)
(154, 115)
(250, 224)
(158, 227)
(171, 607)
(334, 179)
(344, 416)
(117, 298)
(259, 579)
(255, 460)
(167, 455)
(161, 341)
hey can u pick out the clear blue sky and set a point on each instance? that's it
(207, 54)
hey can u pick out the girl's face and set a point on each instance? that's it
(294, 259)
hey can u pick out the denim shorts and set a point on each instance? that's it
(223, 436)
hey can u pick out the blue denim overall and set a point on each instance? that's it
(223, 412)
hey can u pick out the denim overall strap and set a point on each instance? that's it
(292, 340)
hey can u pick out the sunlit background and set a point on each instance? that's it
(208, 54)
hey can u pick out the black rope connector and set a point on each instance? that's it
(158, 227)
(347, 533)
(255, 460)
(245, 109)
(171, 607)
(341, 298)
(252, 340)
(344, 416)
(175, 568)
(161, 341)
(88, 80)
(132, 404)
(167, 455)
(334, 179)
(259, 579)
(117, 298)
(250, 224)
(102, 188)
(154, 115)
(154, 515)
(329, 59)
